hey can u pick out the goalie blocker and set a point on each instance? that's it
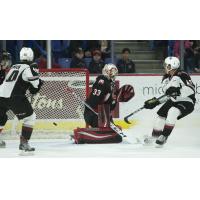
(100, 131)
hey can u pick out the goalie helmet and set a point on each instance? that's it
(171, 63)
(110, 71)
(26, 54)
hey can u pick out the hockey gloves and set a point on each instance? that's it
(151, 103)
(36, 90)
(173, 91)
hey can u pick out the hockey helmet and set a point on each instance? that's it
(110, 71)
(171, 63)
(26, 54)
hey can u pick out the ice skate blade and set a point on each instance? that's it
(26, 153)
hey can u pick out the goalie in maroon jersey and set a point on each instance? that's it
(103, 99)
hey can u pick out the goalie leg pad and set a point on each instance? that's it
(96, 136)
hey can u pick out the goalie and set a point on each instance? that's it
(103, 99)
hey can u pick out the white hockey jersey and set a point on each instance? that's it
(183, 81)
(18, 80)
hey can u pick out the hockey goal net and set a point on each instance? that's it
(56, 108)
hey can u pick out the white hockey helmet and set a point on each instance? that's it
(110, 71)
(26, 54)
(171, 63)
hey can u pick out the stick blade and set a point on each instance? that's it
(126, 120)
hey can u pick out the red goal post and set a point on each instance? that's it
(57, 110)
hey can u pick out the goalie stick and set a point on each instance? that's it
(112, 126)
(139, 109)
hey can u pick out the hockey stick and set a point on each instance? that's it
(112, 126)
(139, 109)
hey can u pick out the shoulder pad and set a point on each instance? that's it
(184, 75)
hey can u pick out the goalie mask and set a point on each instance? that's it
(171, 63)
(6, 60)
(110, 71)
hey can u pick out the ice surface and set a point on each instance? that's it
(184, 142)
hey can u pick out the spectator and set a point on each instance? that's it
(73, 45)
(77, 60)
(87, 45)
(90, 46)
(125, 65)
(105, 48)
(97, 64)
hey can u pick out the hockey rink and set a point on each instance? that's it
(183, 143)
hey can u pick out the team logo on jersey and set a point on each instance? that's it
(101, 82)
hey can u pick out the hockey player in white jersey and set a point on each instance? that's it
(20, 78)
(178, 103)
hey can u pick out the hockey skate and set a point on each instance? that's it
(25, 148)
(161, 141)
(2, 144)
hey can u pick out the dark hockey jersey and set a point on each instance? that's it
(101, 92)
(19, 78)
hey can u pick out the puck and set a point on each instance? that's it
(55, 124)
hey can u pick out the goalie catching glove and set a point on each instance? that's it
(125, 93)
(151, 103)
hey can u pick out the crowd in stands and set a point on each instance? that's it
(94, 54)
(172, 48)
